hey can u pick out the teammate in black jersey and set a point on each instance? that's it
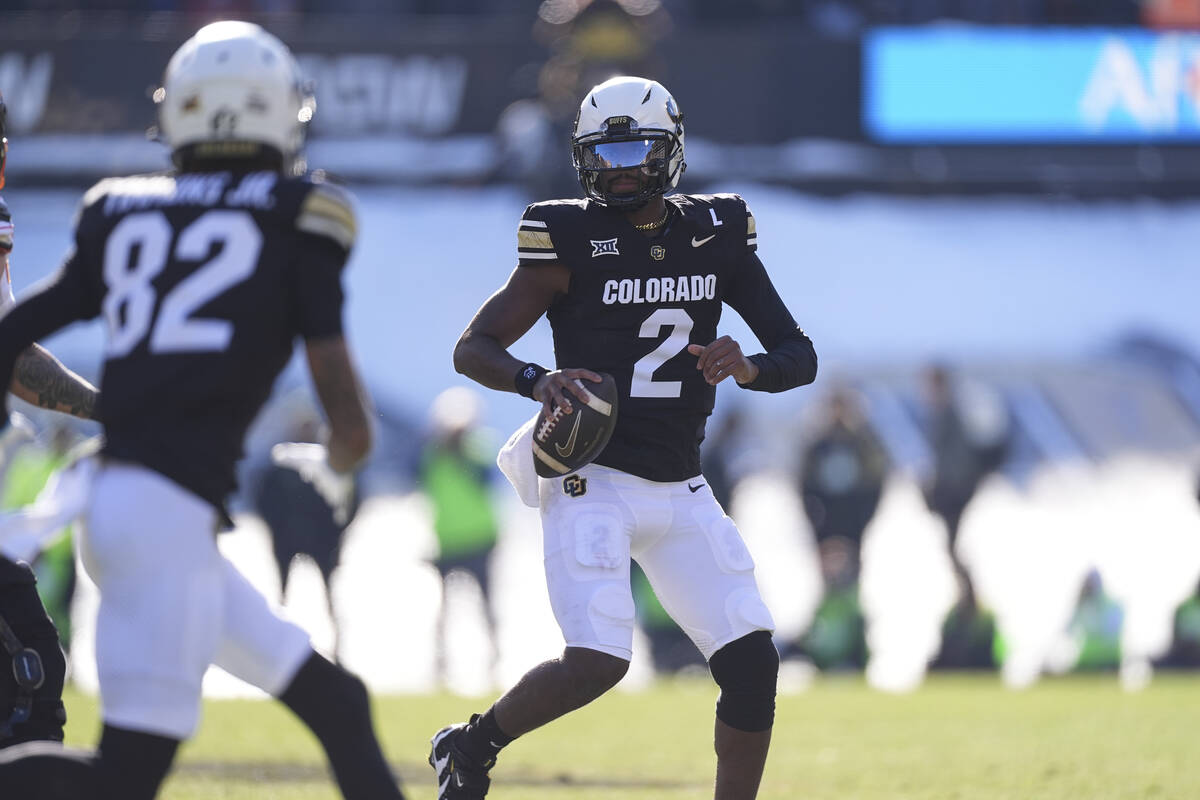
(38, 377)
(205, 277)
(30, 712)
(633, 282)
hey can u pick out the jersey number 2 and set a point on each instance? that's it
(138, 250)
(680, 323)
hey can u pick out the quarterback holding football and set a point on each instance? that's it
(633, 280)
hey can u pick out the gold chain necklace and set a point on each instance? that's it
(649, 226)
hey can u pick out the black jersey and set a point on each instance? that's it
(204, 279)
(636, 302)
(6, 228)
(6, 246)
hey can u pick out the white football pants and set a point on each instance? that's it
(595, 520)
(171, 604)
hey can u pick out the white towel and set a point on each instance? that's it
(516, 462)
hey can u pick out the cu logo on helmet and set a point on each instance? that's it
(224, 124)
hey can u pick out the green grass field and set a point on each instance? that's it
(958, 737)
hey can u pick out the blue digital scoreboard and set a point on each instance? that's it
(965, 84)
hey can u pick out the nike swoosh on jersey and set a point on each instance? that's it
(695, 489)
(700, 242)
(564, 452)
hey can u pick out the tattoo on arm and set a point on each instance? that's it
(41, 379)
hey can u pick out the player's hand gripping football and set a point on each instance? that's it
(312, 462)
(553, 388)
(723, 359)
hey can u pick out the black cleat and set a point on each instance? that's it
(458, 777)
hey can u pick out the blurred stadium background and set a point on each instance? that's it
(993, 197)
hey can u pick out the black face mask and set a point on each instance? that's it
(650, 153)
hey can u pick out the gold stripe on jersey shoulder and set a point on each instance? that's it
(539, 239)
(329, 200)
(327, 211)
(750, 230)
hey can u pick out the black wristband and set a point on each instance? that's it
(526, 377)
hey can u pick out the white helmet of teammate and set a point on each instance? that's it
(627, 123)
(234, 82)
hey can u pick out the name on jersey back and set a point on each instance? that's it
(198, 189)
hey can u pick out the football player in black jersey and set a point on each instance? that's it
(205, 277)
(27, 711)
(633, 282)
(38, 377)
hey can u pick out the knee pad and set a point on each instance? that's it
(747, 670)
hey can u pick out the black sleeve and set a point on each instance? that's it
(55, 303)
(789, 360)
(316, 287)
(6, 228)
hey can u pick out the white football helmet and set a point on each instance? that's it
(626, 123)
(234, 82)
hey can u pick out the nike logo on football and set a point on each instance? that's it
(695, 489)
(700, 242)
(564, 452)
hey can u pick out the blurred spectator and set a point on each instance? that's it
(526, 151)
(457, 468)
(969, 431)
(589, 41)
(299, 519)
(27, 470)
(723, 457)
(841, 480)
(1095, 627)
(1171, 14)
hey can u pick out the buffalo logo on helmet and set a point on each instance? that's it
(623, 124)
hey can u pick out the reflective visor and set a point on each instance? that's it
(622, 155)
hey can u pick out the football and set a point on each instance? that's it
(562, 443)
